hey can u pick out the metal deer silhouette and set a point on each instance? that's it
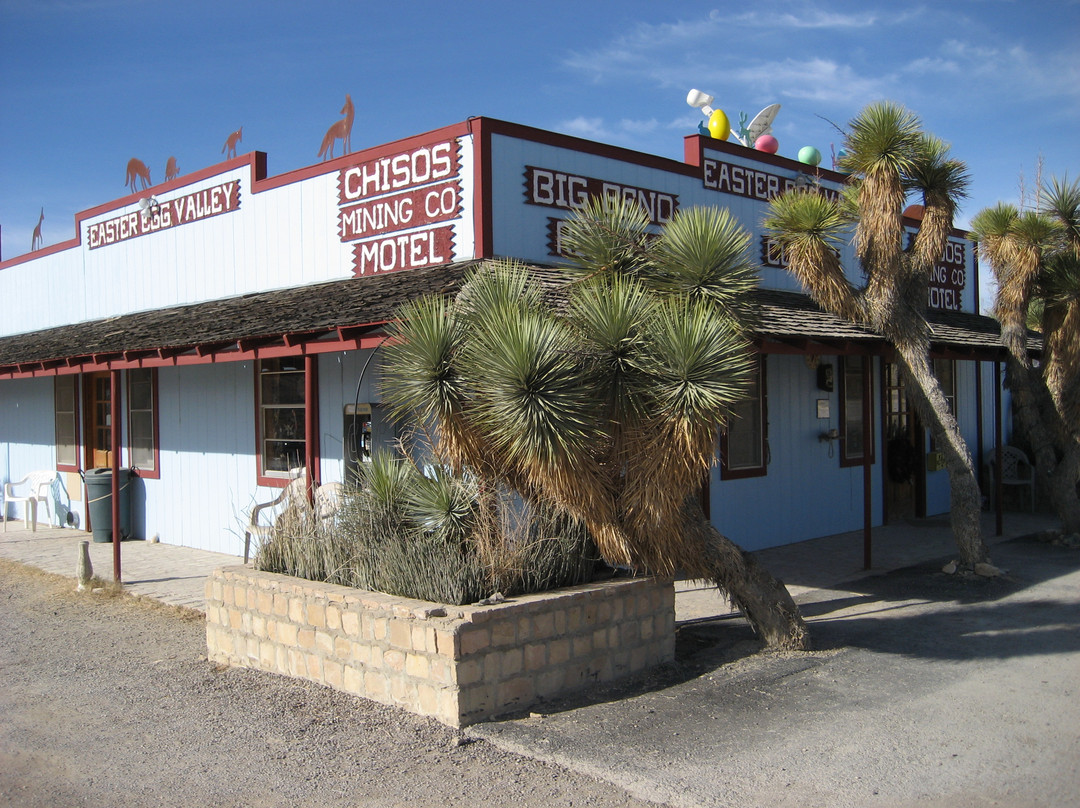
(171, 171)
(137, 172)
(339, 130)
(229, 149)
(36, 241)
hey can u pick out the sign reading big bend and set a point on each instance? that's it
(399, 209)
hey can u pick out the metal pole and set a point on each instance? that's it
(114, 433)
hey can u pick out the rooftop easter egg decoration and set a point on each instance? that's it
(767, 144)
(719, 125)
(810, 156)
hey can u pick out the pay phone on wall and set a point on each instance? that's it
(365, 427)
(357, 433)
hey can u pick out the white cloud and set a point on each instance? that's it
(936, 65)
(821, 80)
(635, 127)
(1015, 70)
(591, 128)
(809, 18)
(623, 131)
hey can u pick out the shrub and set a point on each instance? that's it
(433, 536)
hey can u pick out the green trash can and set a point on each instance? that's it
(99, 496)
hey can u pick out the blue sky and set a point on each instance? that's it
(87, 84)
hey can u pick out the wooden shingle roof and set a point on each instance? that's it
(338, 315)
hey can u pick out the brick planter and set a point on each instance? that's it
(459, 664)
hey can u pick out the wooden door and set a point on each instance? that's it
(905, 472)
(98, 428)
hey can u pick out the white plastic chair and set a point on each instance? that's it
(328, 499)
(290, 495)
(1016, 469)
(38, 488)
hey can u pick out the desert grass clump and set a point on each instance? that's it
(431, 535)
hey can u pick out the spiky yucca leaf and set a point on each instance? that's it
(1028, 237)
(881, 140)
(423, 381)
(612, 316)
(881, 145)
(942, 181)
(811, 228)
(531, 402)
(935, 173)
(444, 505)
(1060, 199)
(387, 481)
(501, 285)
(701, 362)
(702, 252)
(991, 229)
(607, 234)
(702, 367)
(1059, 284)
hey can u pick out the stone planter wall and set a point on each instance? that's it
(460, 664)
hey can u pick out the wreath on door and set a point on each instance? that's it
(902, 460)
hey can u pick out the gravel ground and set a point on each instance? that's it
(109, 700)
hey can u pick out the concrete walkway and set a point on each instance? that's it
(164, 572)
(175, 575)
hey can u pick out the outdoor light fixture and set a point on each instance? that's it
(149, 206)
(700, 100)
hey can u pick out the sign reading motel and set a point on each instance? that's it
(394, 208)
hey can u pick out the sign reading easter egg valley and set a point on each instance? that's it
(193, 207)
(391, 207)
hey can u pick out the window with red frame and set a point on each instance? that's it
(142, 420)
(65, 415)
(744, 443)
(280, 391)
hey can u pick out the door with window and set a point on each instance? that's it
(98, 425)
(905, 473)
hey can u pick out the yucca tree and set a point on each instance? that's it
(889, 158)
(599, 390)
(1035, 257)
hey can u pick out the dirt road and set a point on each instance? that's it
(108, 701)
(924, 690)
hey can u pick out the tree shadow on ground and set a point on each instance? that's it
(917, 612)
(921, 611)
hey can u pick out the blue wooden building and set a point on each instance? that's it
(232, 320)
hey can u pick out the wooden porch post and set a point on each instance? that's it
(114, 434)
(999, 496)
(868, 445)
(311, 424)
